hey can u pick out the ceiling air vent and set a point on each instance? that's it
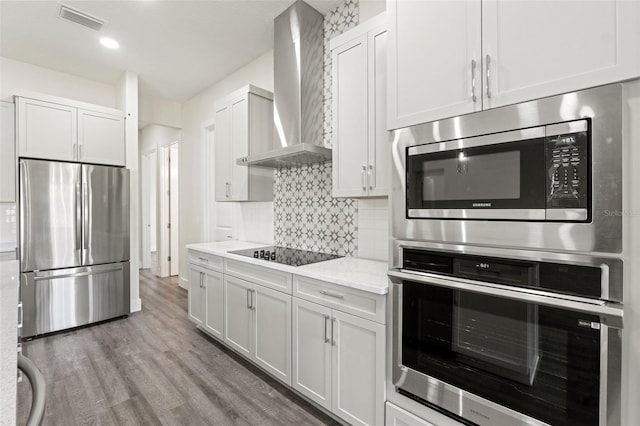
(81, 18)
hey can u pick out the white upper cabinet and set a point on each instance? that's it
(243, 125)
(7, 153)
(543, 48)
(432, 46)
(47, 130)
(101, 138)
(456, 57)
(360, 147)
(60, 129)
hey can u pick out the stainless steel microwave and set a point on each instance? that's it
(544, 174)
(537, 173)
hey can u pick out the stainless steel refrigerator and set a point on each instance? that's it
(74, 244)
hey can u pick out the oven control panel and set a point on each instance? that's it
(567, 166)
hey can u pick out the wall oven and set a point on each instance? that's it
(508, 337)
(548, 172)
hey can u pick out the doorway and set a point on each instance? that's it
(149, 172)
(168, 210)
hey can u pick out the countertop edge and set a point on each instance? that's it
(223, 248)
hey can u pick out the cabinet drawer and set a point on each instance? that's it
(206, 260)
(356, 302)
(271, 278)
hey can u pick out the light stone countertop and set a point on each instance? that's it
(9, 275)
(362, 274)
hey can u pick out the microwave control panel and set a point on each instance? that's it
(568, 171)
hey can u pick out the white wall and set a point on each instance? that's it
(373, 228)
(196, 111)
(159, 111)
(127, 101)
(371, 8)
(15, 75)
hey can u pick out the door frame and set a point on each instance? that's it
(145, 160)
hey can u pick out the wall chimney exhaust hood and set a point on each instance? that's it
(298, 87)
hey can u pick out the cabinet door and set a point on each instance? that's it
(272, 321)
(396, 416)
(239, 148)
(101, 138)
(7, 153)
(431, 48)
(47, 130)
(379, 144)
(196, 295)
(350, 126)
(541, 48)
(222, 160)
(358, 369)
(214, 304)
(238, 326)
(312, 351)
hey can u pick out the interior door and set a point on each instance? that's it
(105, 233)
(50, 215)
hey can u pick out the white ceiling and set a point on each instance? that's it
(177, 47)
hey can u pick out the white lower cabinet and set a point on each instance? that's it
(338, 362)
(396, 416)
(206, 299)
(258, 325)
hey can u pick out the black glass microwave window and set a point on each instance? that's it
(540, 361)
(500, 176)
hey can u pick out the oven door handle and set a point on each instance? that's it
(610, 314)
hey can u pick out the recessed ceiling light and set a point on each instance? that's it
(109, 43)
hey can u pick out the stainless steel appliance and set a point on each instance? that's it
(74, 244)
(547, 173)
(508, 337)
(507, 261)
(286, 255)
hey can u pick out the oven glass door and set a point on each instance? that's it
(453, 183)
(540, 361)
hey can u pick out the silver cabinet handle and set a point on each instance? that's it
(80, 151)
(473, 80)
(75, 151)
(370, 177)
(248, 299)
(333, 338)
(488, 75)
(327, 339)
(253, 305)
(204, 259)
(326, 293)
(362, 174)
(203, 279)
(226, 189)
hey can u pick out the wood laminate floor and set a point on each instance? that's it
(155, 367)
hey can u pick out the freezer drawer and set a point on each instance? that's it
(65, 298)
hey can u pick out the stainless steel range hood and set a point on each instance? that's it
(298, 86)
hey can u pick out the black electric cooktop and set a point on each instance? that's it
(286, 255)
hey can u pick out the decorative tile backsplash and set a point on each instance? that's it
(305, 215)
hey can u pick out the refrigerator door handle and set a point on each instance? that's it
(85, 214)
(78, 218)
(78, 274)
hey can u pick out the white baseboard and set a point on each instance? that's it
(184, 283)
(136, 305)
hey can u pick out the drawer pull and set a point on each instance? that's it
(204, 259)
(326, 293)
